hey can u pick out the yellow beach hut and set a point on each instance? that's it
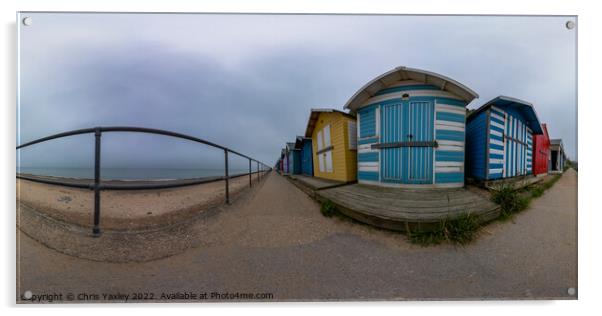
(334, 144)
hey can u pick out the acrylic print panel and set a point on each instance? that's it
(154, 152)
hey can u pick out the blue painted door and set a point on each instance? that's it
(306, 158)
(403, 122)
(392, 117)
(419, 160)
(516, 148)
(296, 162)
(291, 162)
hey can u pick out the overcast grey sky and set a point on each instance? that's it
(249, 81)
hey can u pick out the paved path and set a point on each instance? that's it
(277, 241)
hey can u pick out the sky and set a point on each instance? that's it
(248, 82)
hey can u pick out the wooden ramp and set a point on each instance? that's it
(310, 185)
(402, 209)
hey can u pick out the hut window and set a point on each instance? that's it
(328, 160)
(320, 141)
(326, 135)
(324, 158)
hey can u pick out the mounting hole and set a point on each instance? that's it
(27, 295)
(27, 21)
(570, 25)
(571, 291)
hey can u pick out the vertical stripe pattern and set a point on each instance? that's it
(392, 132)
(510, 145)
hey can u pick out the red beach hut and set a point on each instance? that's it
(541, 151)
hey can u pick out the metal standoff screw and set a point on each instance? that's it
(570, 25)
(27, 295)
(27, 21)
(571, 291)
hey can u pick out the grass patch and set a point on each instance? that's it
(461, 231)
(512, 200)
(537, 191)
(548, 184)
(328, 208)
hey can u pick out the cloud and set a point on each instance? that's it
(248, 82)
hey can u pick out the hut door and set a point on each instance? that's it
(418, 160)
(391, 170)
(515, 147)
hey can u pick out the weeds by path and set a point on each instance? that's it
(513, 200)
(328, 208)
(464, 229)
(460, 231)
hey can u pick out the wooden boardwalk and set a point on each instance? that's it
(516, 182)
(402, 209)
(310, 185)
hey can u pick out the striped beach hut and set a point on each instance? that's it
(499, 139)
(411, 129)
(541, 151)
(334, 144)
(293, 158)
(303, 144)
(284, 161)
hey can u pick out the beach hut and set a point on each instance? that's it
(294, 158)
(499, 139)
(334, 144)
(411, 129)
(557, 156)
(541, 151)
(284, 161)
(304, 145)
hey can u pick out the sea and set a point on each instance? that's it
(129, 174)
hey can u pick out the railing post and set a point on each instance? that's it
(227, 177)
(250, 173)
(258, 172)
(97, 135)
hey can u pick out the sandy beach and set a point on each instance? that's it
(124, 210)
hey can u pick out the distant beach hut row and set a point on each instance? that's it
(409, 128)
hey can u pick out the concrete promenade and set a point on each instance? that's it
(276, 241)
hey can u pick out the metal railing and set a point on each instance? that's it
(97, 186)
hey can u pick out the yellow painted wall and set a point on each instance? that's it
(344, 160)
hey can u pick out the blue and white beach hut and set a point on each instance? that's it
(410, 131)
(499, 139)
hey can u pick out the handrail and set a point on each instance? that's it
(97, 186)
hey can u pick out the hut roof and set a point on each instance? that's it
(299, 141)
(524, 107)
(407, 73)
(556, 143)
(313, 118)
(290, 146)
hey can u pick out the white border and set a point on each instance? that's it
(589, 24)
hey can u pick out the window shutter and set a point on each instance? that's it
(320, 143)
(321, 162)
(352, 131)
(328, 158)
(326, 136)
